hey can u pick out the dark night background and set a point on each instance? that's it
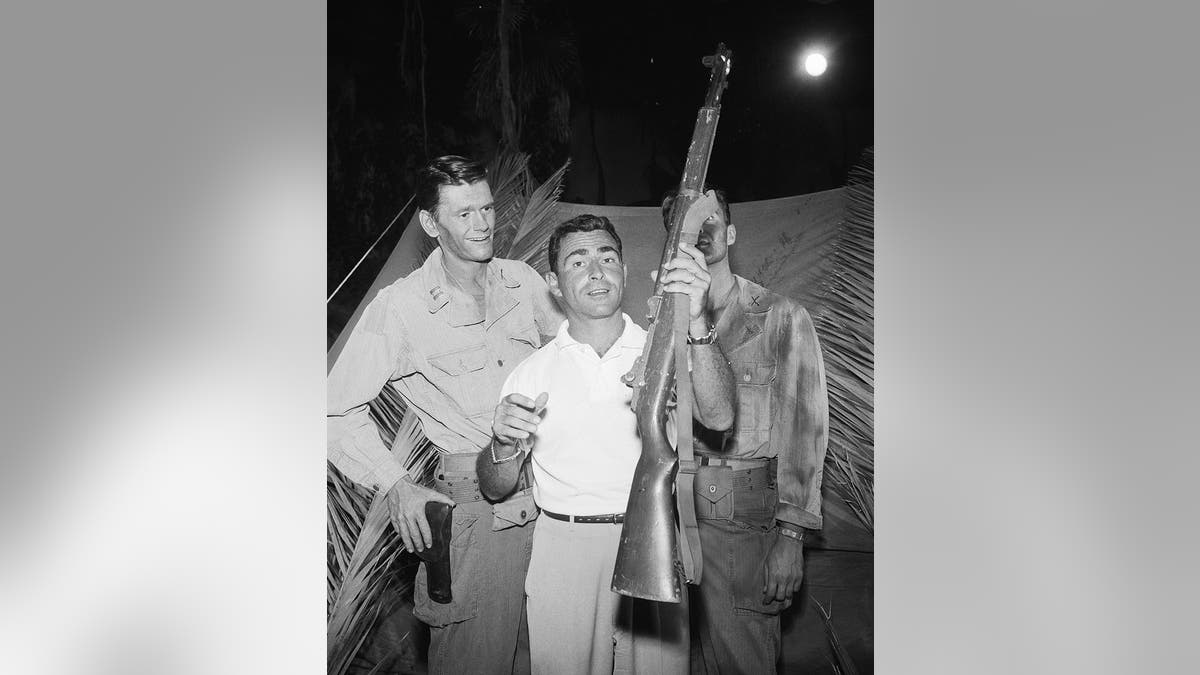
(612, 86)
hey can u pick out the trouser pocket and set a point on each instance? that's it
(748, 546)
(515, 511)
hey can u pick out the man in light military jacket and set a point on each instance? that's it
(446, 337)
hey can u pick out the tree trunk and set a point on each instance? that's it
(508, 111)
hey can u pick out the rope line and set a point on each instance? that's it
(364, 256)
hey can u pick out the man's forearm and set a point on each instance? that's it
(498, 466)
(712, 386)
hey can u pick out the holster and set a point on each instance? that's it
(437, 557)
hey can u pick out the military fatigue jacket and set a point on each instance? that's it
(782, 408)
(445, 357)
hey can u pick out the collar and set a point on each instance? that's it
(630, 338)
(745, 319)
(443, 296)
(753, 297)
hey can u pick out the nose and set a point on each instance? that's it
(480, 222)
(594, 271)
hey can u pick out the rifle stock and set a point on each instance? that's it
(648, 563)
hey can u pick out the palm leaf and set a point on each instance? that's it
(843, 665)
(538, 222)
(511, 181)
(358, 601)
(845, 326)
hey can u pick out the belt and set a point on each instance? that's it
(606, 518)
(734, 462)
(456, 478)
(462, 488)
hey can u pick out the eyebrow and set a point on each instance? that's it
(583, 251)
(468, 207)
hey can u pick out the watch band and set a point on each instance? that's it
(707, 339)
(798, 535)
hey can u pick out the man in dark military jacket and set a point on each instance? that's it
(759, 485)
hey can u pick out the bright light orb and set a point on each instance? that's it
(815, 64)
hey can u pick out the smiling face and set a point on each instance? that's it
(591, 277)
(463, 221)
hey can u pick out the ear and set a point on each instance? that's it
(428, 223)
(730, 234)
(552, 282)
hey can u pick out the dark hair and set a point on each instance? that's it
(582, 223)
(446, 170)
(669, 199)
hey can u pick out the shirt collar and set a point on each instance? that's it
(443, 296)
(753, 297)
(630, 337)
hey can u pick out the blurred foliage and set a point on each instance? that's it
(378, 139)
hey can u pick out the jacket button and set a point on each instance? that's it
(746, 377)
(500, 362)
(712, 488)
(522, 514)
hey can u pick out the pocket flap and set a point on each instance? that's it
(515, 512)
(460, 361)
(755, 372)
(712, 483)
(531, 339)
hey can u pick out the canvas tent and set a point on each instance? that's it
(788, 240)
(790, 245)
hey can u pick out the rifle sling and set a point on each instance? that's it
(689, 543)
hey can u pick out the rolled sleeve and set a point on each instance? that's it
(374, 354)
(800, 429)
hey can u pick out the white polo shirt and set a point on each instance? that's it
(587, 446)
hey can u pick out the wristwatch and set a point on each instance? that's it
(787, 531)
(707, 339)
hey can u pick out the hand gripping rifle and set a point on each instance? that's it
(648, 558)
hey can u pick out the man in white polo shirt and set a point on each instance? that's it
(568, 403)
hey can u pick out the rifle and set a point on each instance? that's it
(648, 558)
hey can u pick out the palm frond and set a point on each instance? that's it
(845, 326)
(359, 601)
(538, 222)
(511, 182)
(843, 664)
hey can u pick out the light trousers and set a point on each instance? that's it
(577, 624)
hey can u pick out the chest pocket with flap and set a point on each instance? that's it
(754, 379)
(461, 375)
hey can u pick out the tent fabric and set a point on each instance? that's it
(786, 244)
